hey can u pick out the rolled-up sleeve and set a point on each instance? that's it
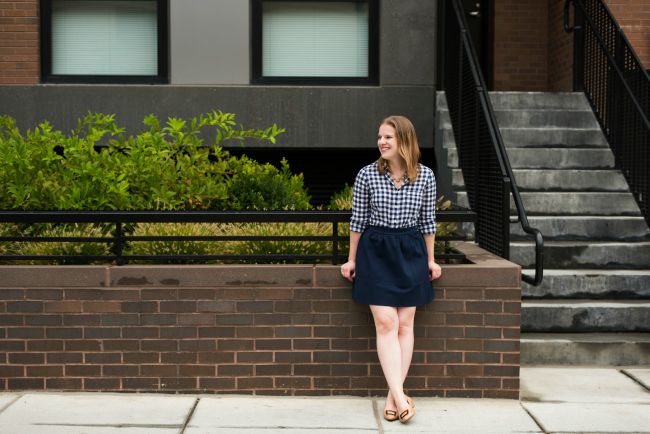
(427, 218)
(360, 203)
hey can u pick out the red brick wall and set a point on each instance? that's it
(634, 18)
(560, 50)
(520, 45)
(280, 330)
(19, 45)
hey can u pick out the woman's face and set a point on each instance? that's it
(387, 143)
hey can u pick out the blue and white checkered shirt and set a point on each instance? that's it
(377, 202)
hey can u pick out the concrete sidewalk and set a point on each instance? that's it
(554, 400)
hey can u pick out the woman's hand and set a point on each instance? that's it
(347, 270)
(434, 270)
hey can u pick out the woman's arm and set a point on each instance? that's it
(358, 221)
(434, 269)
(347, 269)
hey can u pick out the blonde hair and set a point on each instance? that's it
(407, 143)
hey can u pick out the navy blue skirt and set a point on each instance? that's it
(392, 268)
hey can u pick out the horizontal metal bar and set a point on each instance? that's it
(274, 257)
(19, 216)
(34, 239)
(234, 258)
(234, 238)
(56, 257)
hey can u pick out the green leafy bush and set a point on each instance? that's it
(164, 168)
(342, 200)
(264, 186)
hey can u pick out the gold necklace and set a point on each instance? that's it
(396, 179)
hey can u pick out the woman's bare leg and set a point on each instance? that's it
(389, 351)
(406, 316)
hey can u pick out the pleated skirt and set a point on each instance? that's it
(392, 268)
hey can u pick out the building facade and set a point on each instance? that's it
(254, 58)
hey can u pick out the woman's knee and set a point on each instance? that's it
(386, 322)
(405, 329)
(406, 320)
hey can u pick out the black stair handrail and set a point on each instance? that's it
(609, 72)
(481, 154)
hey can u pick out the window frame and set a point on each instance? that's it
(46, 53)
(257, 77)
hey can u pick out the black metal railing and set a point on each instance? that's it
(481, 154)
(617, 86)
(121, 233)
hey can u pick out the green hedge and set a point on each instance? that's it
(99, 167)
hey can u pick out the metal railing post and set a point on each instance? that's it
(335, 242)
(118, 246)
(506, 221)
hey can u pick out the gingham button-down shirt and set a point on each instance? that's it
(377, 202)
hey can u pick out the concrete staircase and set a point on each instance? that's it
(593, 306)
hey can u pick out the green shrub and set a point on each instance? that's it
(342, 200)
(265, 187)
(165, 168)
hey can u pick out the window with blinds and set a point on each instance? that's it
(314, 40)
(107, 38)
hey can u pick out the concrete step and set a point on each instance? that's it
(584, 254)
(600, 349)
(603, 228)
(551, 158)
(538, 100)
(571, 203)
(580, 316)
(589, 284)
(535, 118)
(559, 180)
(578, 228)
(526, 137)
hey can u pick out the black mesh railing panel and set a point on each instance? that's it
(482, 156)
(487, 187)
(618, 88)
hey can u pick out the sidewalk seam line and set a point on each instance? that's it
(537, 422)
(633, 378)
(11, 403)
(189, 416)
(375, 411)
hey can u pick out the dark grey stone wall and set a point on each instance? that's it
(330, 117)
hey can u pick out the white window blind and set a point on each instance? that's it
(97, 37)
(315, 39)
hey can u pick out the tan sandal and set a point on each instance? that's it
(390, 415)
(407, 414)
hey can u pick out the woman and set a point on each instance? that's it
(391, 262)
